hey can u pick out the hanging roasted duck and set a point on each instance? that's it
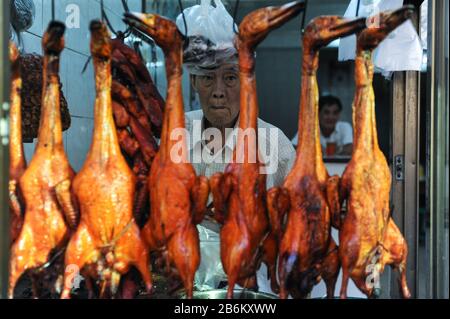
(107, 241)
(368, 237)
(46, 183)
(307, 251)
(177, 196)
(17, 162)
(240, 192)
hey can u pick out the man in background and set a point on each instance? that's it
(336, 137)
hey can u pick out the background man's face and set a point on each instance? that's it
(219, 94)
(328, 116)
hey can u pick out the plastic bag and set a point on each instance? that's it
(424, 24)
(22, 14)
(210, 36)
(210, 272)
(400, 51)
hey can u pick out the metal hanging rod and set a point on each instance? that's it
(304, 17)
(53, 10)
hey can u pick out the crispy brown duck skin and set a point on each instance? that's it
(17, 163)
(308, 253)
(177, 196)
(240, 192)
(108, 241)
(46, 184)
(368, 235)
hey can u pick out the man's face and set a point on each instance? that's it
(219, 94)
(328, 116)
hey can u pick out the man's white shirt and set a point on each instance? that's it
(342, 135)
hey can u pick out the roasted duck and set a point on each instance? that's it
(308, 253)
(239, 193)
(177, 196)
(17, 162)
(46, 184)
(107, 241)
(368, 237)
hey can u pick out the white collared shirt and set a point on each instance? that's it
(342, 135)
(283, 156)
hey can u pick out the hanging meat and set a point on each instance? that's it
(368, 237)
(17, 162)
(31, 70)
(46, 183)
(137, 108)
(177, 196)
(240, 192)
(107, 241)
(308, 253)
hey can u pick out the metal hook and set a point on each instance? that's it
(236, 6)
(105, 17)
(304, 17)
(184, 18)
(125, 6)
(102, 10)
(53, 10)
(357, 8)
(108, 22)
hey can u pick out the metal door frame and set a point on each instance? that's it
(405, 141)
(437, 145)
(4, 150)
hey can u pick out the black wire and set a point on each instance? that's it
(86, 64)
(109, 24)
(144, 6)
(106, 19)
(184, 18)
(357, 8)
(236, 7)
(304, 16)
(102, 10)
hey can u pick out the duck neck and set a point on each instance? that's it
(308, 124)
(16, 152)
(104, 142)
(364, 123)
(50, 128)
(173, 119)
(247, 141)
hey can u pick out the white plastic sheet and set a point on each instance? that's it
(210, 33)
(424, 24)
(400, 51)
(210, 272)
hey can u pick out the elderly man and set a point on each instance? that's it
(214, 73)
